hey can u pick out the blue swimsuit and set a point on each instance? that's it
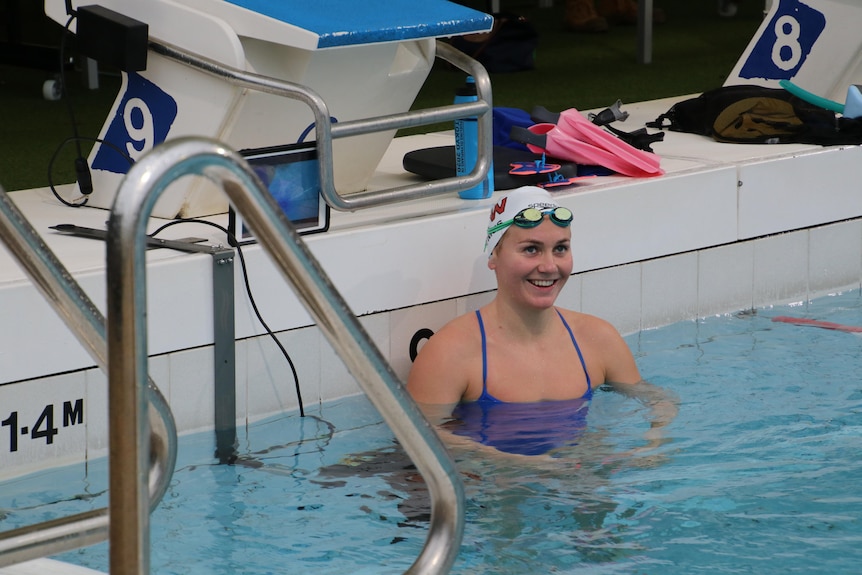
(524, 428)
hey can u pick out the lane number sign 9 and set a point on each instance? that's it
(143, 119)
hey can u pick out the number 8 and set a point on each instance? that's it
(788, 40)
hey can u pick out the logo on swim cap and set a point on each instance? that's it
(510, 205)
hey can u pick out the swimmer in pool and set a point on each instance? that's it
(518, 373)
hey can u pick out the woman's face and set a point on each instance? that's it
(533, 264)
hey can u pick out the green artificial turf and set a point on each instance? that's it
(693, 51)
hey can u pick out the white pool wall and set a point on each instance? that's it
(783, 268)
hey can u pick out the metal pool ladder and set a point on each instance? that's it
(86, 322)
(142, 433)
(127, 352)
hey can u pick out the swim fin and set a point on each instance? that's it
(551, 139)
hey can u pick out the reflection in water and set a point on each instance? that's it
(553, 510)
(761, 475)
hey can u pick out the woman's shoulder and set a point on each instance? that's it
(604, 347)
(589, 327)
(442, 369)
(581, 319)
(461, 330)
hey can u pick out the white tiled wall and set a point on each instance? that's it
(725, 278)
(191, 392)
(669, 289)
(780, 268)
(403, 328)
(614, 294)
(787, 267)
(833, 256)
(97, 408)
(335, 380)
(27, 417)
(265, 381)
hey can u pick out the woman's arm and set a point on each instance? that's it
(603, 345)
(662, 403)
(622, 375)
(440, 372)
(663, 407)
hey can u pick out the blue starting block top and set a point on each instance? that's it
(353, 22)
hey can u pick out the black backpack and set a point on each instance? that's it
(510, 46)
(749, 114)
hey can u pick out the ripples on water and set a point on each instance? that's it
(759, 472)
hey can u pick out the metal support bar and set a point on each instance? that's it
(325, 131)
(224, 351)
(127, 335)
(644, 33)
(91, 73)
(86, 322)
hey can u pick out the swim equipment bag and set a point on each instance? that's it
(510, 46)
(759, 115)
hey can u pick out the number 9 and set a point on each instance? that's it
(143, 133)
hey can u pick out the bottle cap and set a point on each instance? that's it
(468, 89)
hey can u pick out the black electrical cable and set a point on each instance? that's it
(57, 153)
(266, 459)
(63, 92)
(250, 296)
(328, 434)
(82, 170)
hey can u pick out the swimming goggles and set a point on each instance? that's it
(532, 217)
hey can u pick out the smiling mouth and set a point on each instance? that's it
(543, 283)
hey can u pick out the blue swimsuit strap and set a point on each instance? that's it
(580, 355)
(484, 354)
(488, 397)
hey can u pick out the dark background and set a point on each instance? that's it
(694, 50)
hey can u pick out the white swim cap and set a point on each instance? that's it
(503, 213)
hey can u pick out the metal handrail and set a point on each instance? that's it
(86, 322)
(326, 131)
(127, 347)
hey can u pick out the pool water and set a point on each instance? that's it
(759, 472)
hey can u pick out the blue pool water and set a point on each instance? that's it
(759, 473)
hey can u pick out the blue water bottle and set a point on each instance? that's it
(467, 146)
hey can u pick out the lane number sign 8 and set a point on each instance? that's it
(785, 42)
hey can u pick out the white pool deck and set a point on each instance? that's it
(47, 567)
(728, 227)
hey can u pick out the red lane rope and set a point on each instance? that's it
(818, 323)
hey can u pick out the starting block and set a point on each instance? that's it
(814, 44)
(364, 59)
